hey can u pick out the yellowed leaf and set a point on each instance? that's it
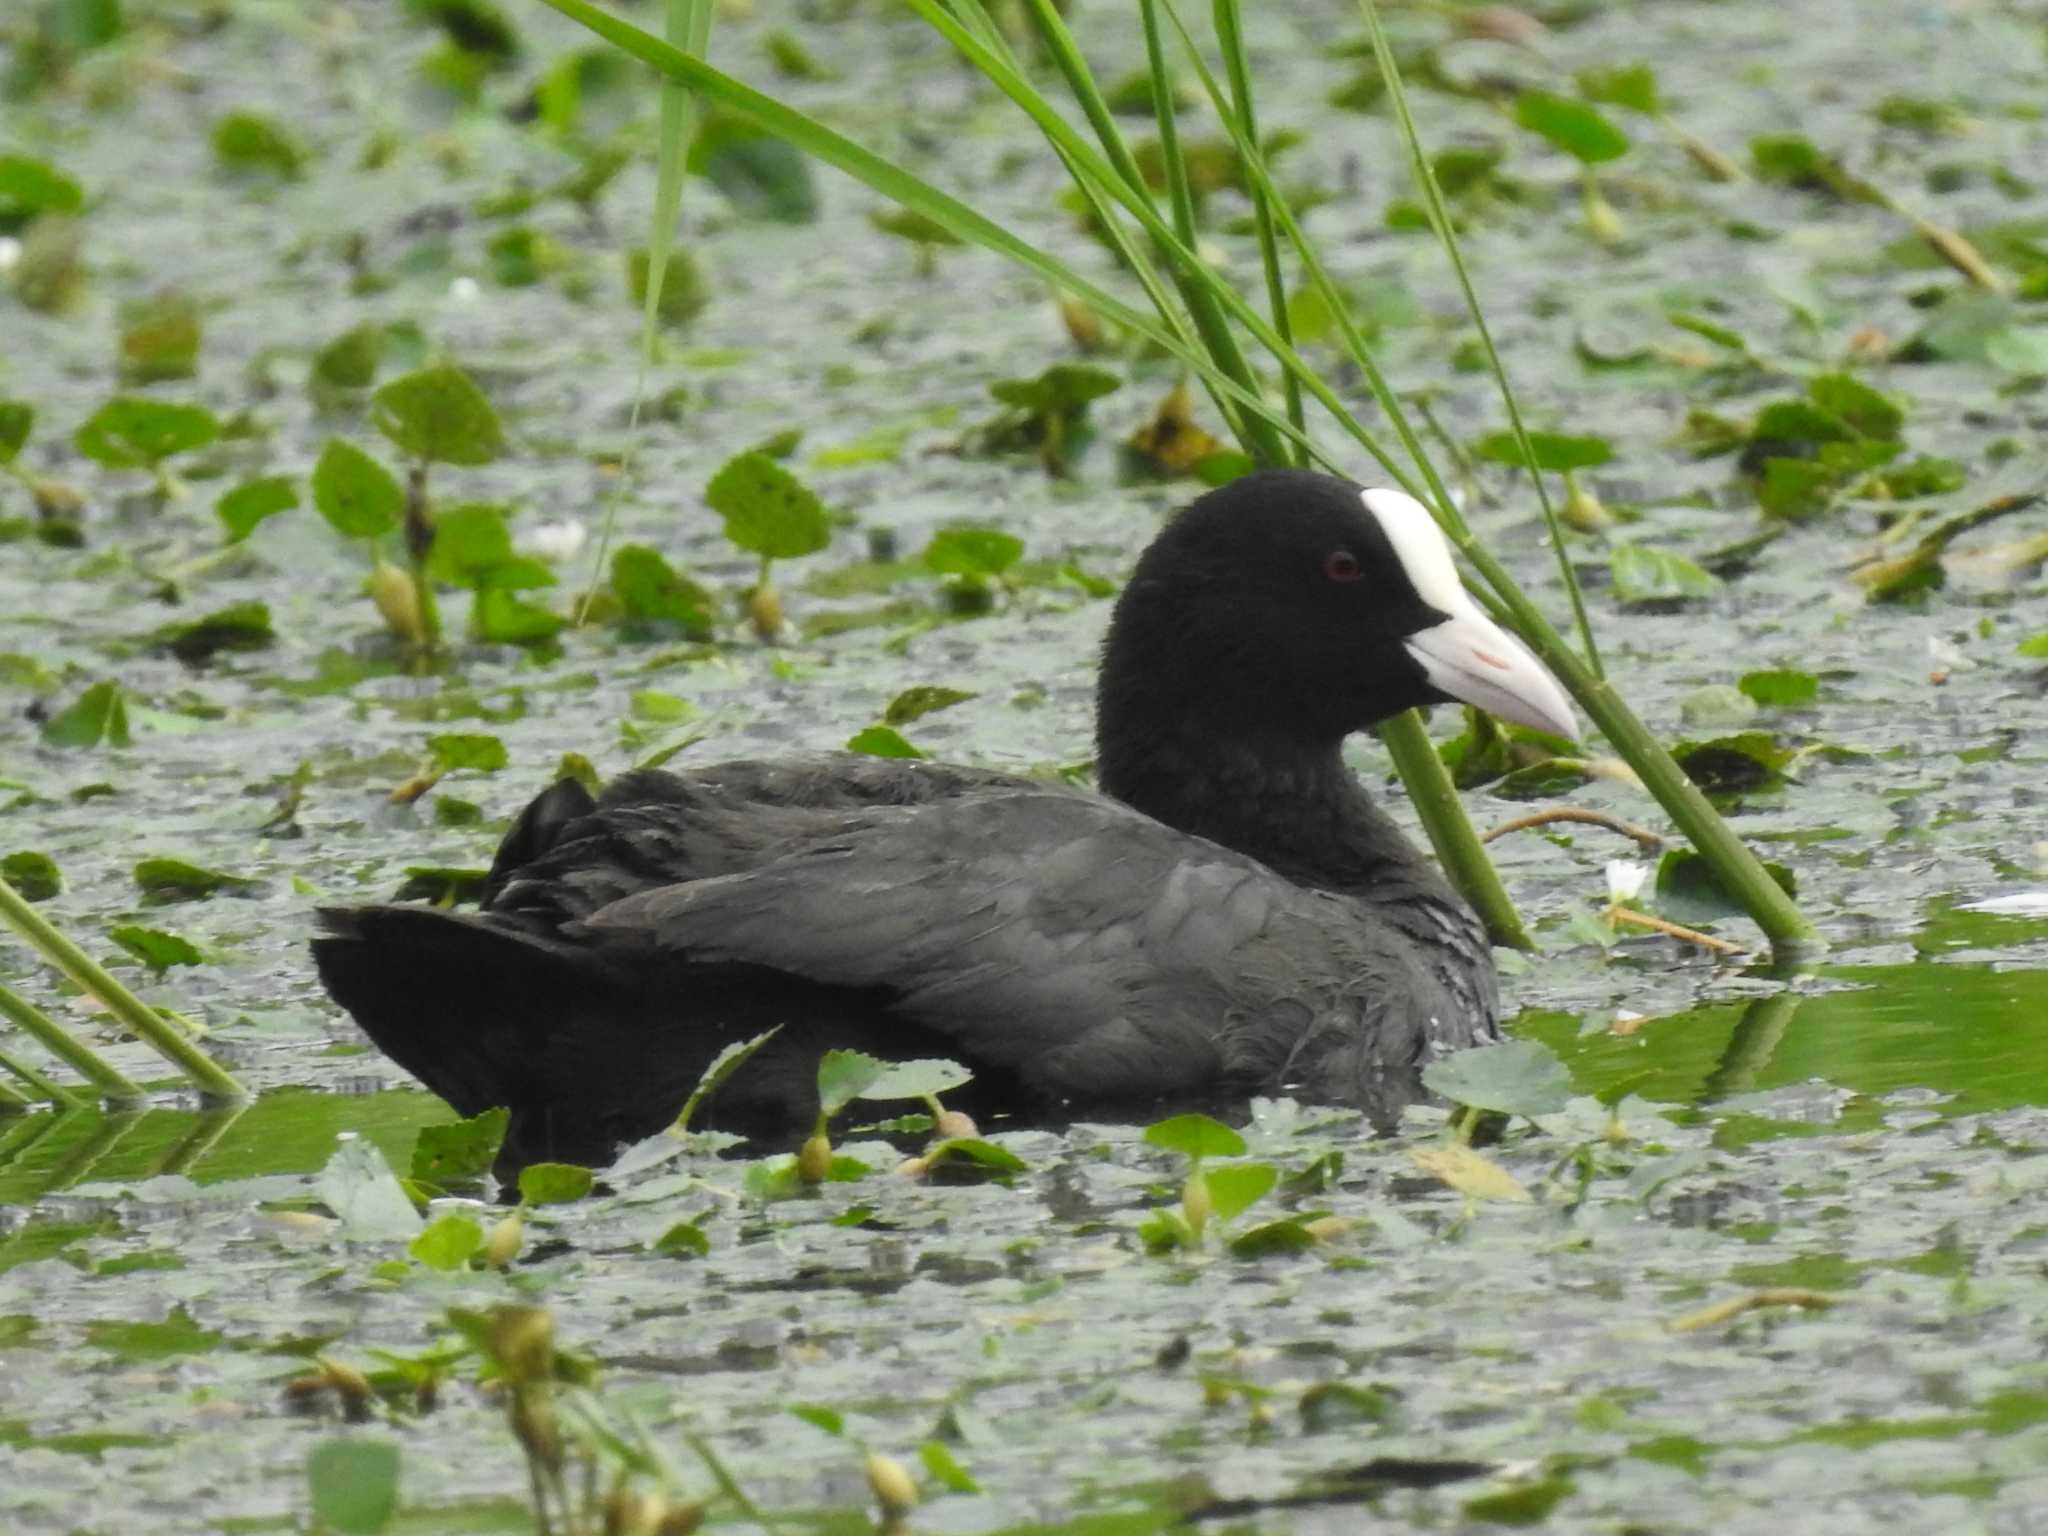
(1470, 1173)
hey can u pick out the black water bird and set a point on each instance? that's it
(1230, 915)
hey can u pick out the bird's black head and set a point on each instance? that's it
(1300, 607)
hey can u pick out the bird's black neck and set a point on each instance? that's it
(1290, 803)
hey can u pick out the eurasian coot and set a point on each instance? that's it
(1231, 915)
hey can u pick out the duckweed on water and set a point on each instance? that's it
(1779, 1238)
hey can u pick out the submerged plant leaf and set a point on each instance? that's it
(767, 510)
(1517, 1077)
(438, 415)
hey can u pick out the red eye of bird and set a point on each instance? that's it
(1342, 565)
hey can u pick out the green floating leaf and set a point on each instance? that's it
(449, 1243)
(130, 432)
(972, 1149)
(500, 616)
(978, 552)
(684, 292)
(31, 188)
(1780, 688)
(684, 1240)
(155, 948)
(476, 751)
(141, 1343)
(1234, 1190)
(762, 176)
(440, 884)
(909, 224)
(767, 510)
(1554, 451)
(359, 497)
(1580, 130)
(1848, 399)
(554, 1183)
(1633, 86)
(237, 627)
(651, 591)
(882, 741)
(1689, 891)
(1195, 1136)
(250, 141)
(944, 1470)
(844, 1076)
(818, 1416)
(1642, 574)
(253, 502)
(350, 360)
(34, 875)
(2035, 646)
(99, 717)
(16, 418)
(1344, 1405)
(459, 1153)
(354, 1485)
(1063, 391)
(438, 415)
(926, 699)
(918, 1079)
(1517, 1077)
(1273, 1239)
(1524, 1504)
(2021, 349)
(1732, 764)
(159, 339)
(164, 879)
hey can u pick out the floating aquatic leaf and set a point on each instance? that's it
(2019, 349)
(159, 339)
(1195, 1136)
(251, 141)
(1518, 1077)
(437, 414)
(140, 1343)
(354, 1485)
(1273, 1239)
(683, 290)
(650, 590)
(470, 542)
(1235, 1189)
(359, 497)
(1345, 1405)
(554, 1183)
(763, 176)
(357, 1185)
(940, 1464)
(238, 627)
(30, 188)
(882, 741)
(1633, 86)
(1688, 890)
(350, 360)
(448, 1243)
(767, 510)
(130, 432)
(926, 699)
(476, 751)
(253, 502)
(684, 1240)
(1580, 130)
(844, 1076)
(972, 1149)
(163, 879)
(1642, 574)
(1470, 1173)
(1785, 688)
(983, 552)
(500, 616)
(1716, 706)
(98, 717)
(1553, 451)
(16, 418)
(155, 948)
(34, 875)
(458, 1153)
(1731, 764)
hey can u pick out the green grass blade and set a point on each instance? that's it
(689, 28)
(1230, 42)
(1440, 220)
(901, 186)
